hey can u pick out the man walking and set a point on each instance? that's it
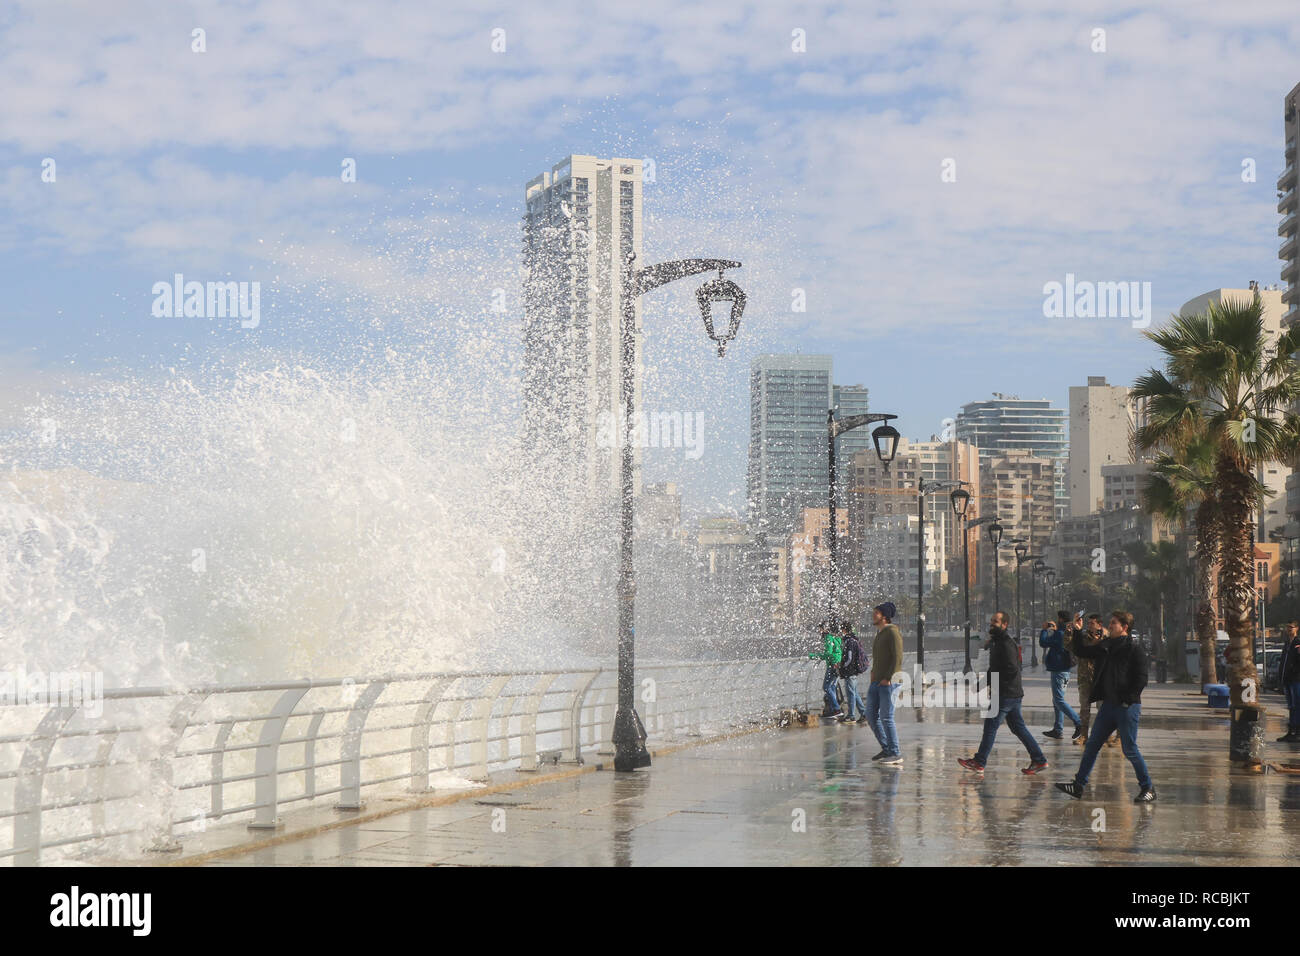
(1092, 633)
(1120, 676)
(852, 664)
(1288, 675)
(832, 653)
(1057, 661)
(1005, 667)
(886, 661)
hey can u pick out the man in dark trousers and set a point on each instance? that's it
(1119, 678)
(1005, 664)
(1288, 675)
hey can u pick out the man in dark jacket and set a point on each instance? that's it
(1004, 680)
(1058, 664)
(1288, 675)
(1117, 684)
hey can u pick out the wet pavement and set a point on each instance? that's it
(812, 796)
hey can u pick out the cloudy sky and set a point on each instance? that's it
(809, 141)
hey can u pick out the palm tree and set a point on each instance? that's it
(1160, 568)
(1178, 482)
(1224, 380)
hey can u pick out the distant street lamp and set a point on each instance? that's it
(629, 733)
(1035, 569)
(960, 499)
(1022, 555)
(885, 439)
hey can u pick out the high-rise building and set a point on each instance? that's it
(1289, 228)
(581, 220)
(788, 399)
(1008, 423)
(850, 400)
(1101, 433)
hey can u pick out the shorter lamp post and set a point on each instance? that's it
(1022, 555)
(995, 539)
(923, 489)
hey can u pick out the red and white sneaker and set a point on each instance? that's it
(1035, 766)
(971, 764)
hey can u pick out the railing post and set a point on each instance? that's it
(161, 768)
(267, 768)
(219, 768)
(573, 732)
(528, 723)
(350, 747)
(30, 785)
(309, 752)
(420, 735)
(483, 721)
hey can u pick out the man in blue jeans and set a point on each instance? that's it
(1004, 664)
(1120, 677)
(886, 661)
(1058, 665)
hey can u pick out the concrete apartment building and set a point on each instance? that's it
(581, 219)
(875, 493)
(1020, 488)
(891, 563)
(1102, 419)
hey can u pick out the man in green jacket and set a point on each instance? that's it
(832, 652)
(886, 661)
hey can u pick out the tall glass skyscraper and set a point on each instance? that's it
(1009, 423)
(788, 399)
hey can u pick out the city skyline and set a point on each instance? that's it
(826, 178)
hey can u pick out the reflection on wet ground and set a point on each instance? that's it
(814, 797)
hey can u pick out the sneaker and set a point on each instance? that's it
(1034, 767)
(1078, 731)
(838, 715)
(881, 756)
(1288, 739)
(862, 719)
(1148, 795)
(1054, 734)
(892, 760)
(1072, 788)
(971, 764)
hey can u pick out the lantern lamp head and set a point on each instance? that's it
(721, 290)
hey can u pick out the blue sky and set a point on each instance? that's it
(820, 169)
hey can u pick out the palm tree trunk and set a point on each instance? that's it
(1238, 582)
(1207, 540)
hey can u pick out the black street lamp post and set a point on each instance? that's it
(885, 439)
(922, 489)
(995, 539)
(629, 733)
(960, 499)
(1037, 568)
(1022, 555)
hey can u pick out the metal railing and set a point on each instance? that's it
(154, 761)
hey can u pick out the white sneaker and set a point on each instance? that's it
(894, 760)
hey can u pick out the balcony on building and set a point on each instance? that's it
(1286, 202)
(1287, 179)
(1287, 251)
(1287, 225)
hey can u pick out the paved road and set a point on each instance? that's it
(812, 797)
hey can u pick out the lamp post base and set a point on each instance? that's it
(629, 742)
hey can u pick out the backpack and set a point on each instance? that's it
(854, 661)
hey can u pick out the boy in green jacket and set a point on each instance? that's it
(832, 652)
